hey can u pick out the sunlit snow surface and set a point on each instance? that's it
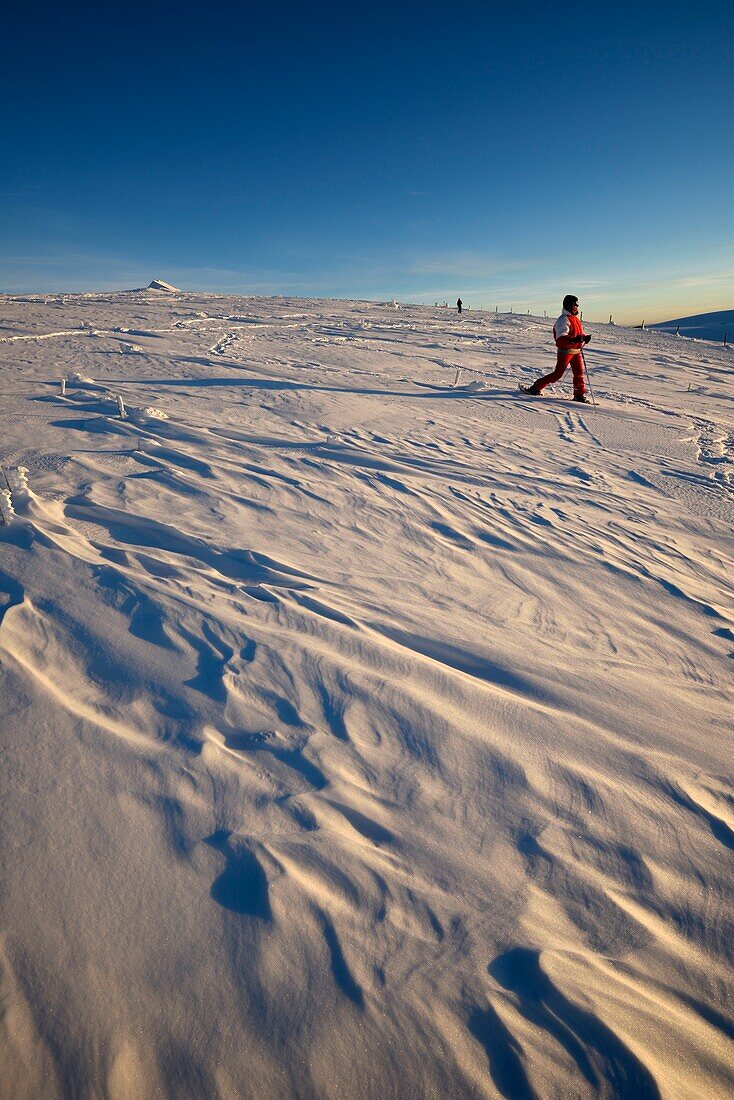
(366, 732)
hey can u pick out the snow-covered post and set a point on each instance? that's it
(63, 387)
(610, 318)
(17, 480)
(120, 407)
(6, 500)
(6, 506)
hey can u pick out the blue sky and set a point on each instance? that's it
(417, 151)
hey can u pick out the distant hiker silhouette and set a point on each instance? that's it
(569, 336)
(459, 304)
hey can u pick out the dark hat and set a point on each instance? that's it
(570, 301)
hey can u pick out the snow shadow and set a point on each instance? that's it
(243, 886)
(480, 668)
(602, 1059)
(339, 969)
(11, 594)
(504, 1054)
(719, 828)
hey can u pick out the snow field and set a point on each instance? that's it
(364, 734)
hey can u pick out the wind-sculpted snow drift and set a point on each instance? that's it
(363, 734)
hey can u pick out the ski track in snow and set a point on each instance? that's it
(365, 734)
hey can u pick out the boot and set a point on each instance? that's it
(581, 397)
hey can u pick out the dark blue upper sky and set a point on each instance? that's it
(410, 150)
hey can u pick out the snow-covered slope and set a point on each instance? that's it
(366, 729)
(702, 326)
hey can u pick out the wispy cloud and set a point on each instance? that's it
(467, 265)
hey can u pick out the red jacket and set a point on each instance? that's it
(567, 332)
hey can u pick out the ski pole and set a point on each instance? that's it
(588, 380)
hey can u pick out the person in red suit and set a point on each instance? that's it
(569, 336)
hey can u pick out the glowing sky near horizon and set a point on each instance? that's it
(415, 151)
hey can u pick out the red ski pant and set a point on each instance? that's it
(565, 359)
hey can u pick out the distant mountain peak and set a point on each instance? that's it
(161, 284)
